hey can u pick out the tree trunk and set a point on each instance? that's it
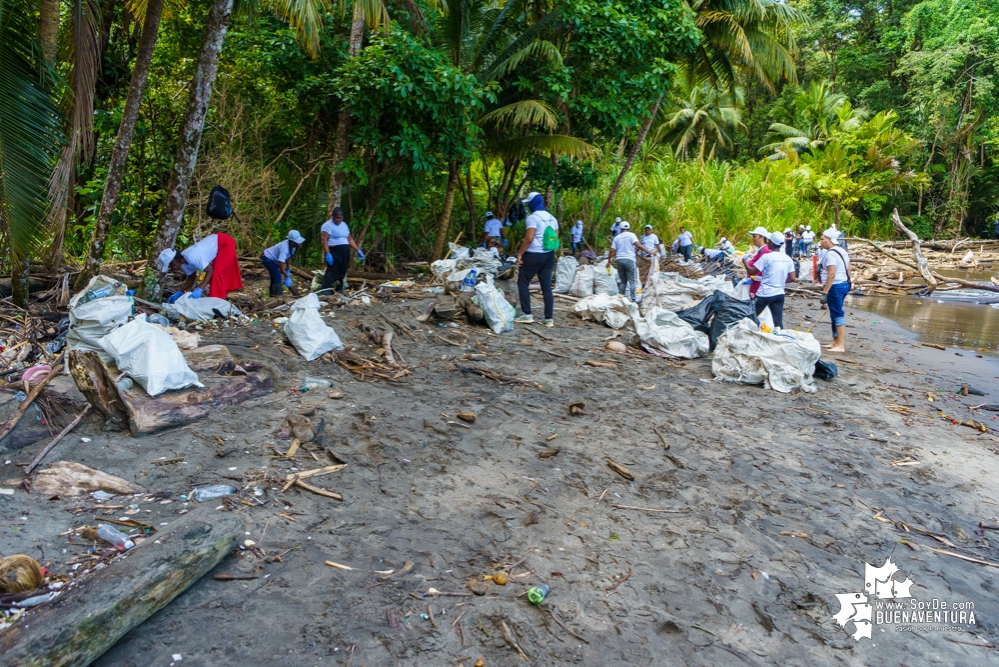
(49, 28)
(342, 144)
(646, 126)
(452, 185)
(19, 281)
(119, 158)
(198, 100)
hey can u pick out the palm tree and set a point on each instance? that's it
(699, 113)
(753, 35)
(29, 142)
(818, 113)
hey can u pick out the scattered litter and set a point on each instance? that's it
(537, 594)
(206, 493)
(114, 537)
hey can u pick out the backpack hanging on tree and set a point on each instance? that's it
(219, 204)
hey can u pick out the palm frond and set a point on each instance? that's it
(305, 17)
(544, 144)
(522, 114)
(170, 8)
(532, 34)
(540, 49)
(29, 134)
(375, 13)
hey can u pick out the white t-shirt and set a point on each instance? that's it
(835, 257)
(807, 236)
(200, 255)
(775, 266)
(539, 221)
(615, 229)
(650, 241)
(338, 233)
(577, 231)
(712, 253)
(624, 245)
(279, 252)
(686, 239)
(727, 245)
(493, 227)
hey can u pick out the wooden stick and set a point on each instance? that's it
(809, 330)
(917, 253)
(564, 627)
(962, 557)
(55, 440)
(387, 345)
(26, 403)
(649, 509)
(316, 490)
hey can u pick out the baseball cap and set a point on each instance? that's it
(489, 214)
(530, 196)
(760, 231)
(294, 236)
(831, 234)
(777, 238)
(625, 225)
(165, 258)
(648, 226)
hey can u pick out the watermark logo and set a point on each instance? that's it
(887, 601)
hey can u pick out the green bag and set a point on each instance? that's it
(550, 240)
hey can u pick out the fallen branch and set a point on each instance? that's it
(650, 509)
(917, 253)
(962, 557)
(502, 379)
(55, 440)
(26, 403)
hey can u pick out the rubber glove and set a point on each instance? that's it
(824, 298)
(287, 281)
(360, 255)
(196, 294)
(173, 297)
(329, 258)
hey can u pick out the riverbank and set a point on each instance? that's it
(728, 548)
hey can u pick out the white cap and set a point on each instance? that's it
(648, 226)
(165, 258)
(801, 226)
(832, 234)
(293, 235)
(489, 214)
(787, 230)
(760, 231)
(530, 196)
(777, 238)
(723, 239)
(809, 228)
(625, 225)
(617, 219)
(579, 222)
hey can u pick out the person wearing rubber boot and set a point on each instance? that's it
(277, 261)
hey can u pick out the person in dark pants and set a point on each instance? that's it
(534, 260)
(337, 243)
(775, 269)
(277, 261)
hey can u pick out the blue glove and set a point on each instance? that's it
(329, 258)
(287, 281)
(196, 294)
(360, 254)
(173, 297)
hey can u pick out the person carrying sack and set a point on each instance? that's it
(536, 257)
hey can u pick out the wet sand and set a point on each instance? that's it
(727, 549)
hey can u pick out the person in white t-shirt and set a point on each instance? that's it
(215, 255)
(493, 228)
(534, 260)
(622, 252)
(726, 246)
(775, 270)
(807, 238)
(616, 227)
(335, 238)
(277, 261)
(835, 275)
(650, 240)
(686, 242)
(576, 236)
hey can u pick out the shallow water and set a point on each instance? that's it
(950, 321)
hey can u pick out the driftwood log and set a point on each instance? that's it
(83, 623)
(917, 254)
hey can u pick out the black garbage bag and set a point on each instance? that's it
(824, 370)
(727, 310)
(699, 316)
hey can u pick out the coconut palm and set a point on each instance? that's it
(698, 114)
(817, 114)
(29, 141)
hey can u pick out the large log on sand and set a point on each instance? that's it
(85, 621)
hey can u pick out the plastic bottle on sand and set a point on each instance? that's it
(212, 492)
(115, 537)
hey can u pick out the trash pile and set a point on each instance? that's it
(671, 291)
(585, 280)
(781, 361)
(462, 262)
(659, 331)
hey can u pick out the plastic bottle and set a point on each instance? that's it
(114, 537)
(212, 492)
(314, 383)
(100, 292)
(468, 284)
(537, 594)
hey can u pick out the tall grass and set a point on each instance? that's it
(711, 200)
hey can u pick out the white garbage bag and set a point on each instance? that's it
(91, 321)
(498, 311)
(482, 261)
(565, 271)
(783, 361)
(307, 330)
(458, 252)
(663, 331)
(443, 267)
(195, 310)
(149, 356)
(604, 283)
(671, 291)
(614, 311)
(741, 291)
(582, 282)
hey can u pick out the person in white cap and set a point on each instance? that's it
(493, 229)
(807, 237)
(616, 227)
(337, 242)
(622, 252)
(759, 237)
(775, 270)
(789, 242)
(277, 261)
(216, 256)
(726, 246)
(536, 257)
(686, 241)
(650, 240)
(576, 236)
(834, 271)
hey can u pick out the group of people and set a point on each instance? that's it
(211, 266)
